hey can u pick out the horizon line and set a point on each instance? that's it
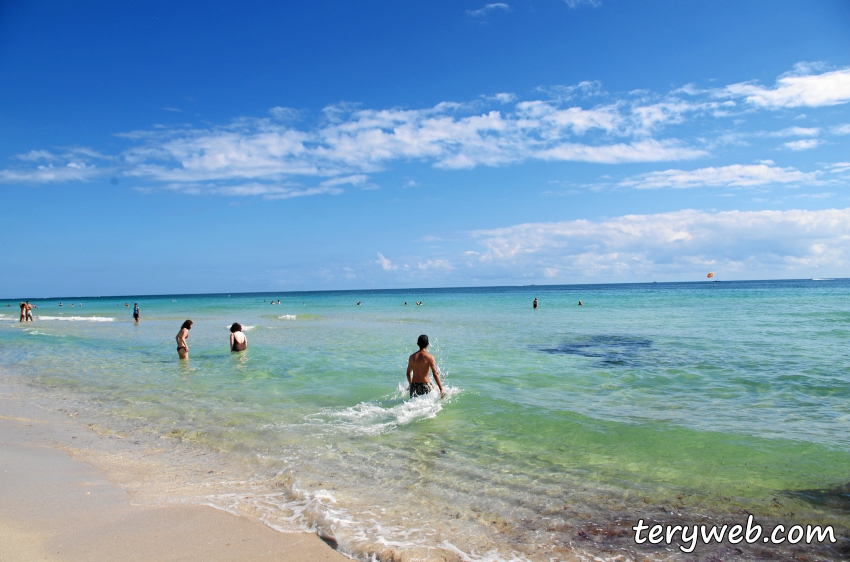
(703, 281)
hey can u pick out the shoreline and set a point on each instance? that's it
(75, 491)
(55, 506)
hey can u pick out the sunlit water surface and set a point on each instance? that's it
(715, 397)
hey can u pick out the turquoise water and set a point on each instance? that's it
(709, 397)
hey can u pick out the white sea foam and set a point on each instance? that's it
(244, 328)
(287, 317)
(78, 318)
(821, 279)
(490, 556)
(373, 418)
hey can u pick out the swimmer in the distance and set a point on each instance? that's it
(418, 367)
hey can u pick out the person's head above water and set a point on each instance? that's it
(236, 327)
(187, 324)
(422, 342)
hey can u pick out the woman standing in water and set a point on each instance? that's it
(182, 347)
(238, 341)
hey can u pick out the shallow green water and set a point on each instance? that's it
(721, 395)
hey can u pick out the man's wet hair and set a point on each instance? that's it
(422, 342)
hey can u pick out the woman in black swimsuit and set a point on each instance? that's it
(182, 346)
(238, 341)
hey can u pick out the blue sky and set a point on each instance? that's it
(154, 148)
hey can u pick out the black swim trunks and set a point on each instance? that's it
(419, 388)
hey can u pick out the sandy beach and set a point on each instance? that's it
(58, 508)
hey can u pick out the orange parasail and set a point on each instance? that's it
(710, 274)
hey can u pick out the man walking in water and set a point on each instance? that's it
(136, 312)
(418, 367)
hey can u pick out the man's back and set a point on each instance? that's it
(421, 364)
(418, 366)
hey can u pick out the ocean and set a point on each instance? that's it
(561, 428)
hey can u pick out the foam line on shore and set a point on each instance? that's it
(78, 318)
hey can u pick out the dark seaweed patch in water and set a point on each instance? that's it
(836, 499)
(611, 350)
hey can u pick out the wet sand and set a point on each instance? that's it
(56, 508)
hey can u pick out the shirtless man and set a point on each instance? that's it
(29, 311)
(418, 367)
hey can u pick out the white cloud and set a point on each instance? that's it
(385, 264)
(798, 89)
(435, 264)
(563, 93)
(578, 123)
(488, 8)
(641, 151)
(503, 97)
(674, 245)
(285, 113)
(36, 155)
(841, 130)
(736, 175)
(577, 3)
(803, 144)
(72, 171)
(358, 141)
(267, 191)
(357, 179)
(796, 132)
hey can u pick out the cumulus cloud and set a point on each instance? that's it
(385, 264)
(796, 89)
(736, 175)
(803, 144)
(670, 245)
